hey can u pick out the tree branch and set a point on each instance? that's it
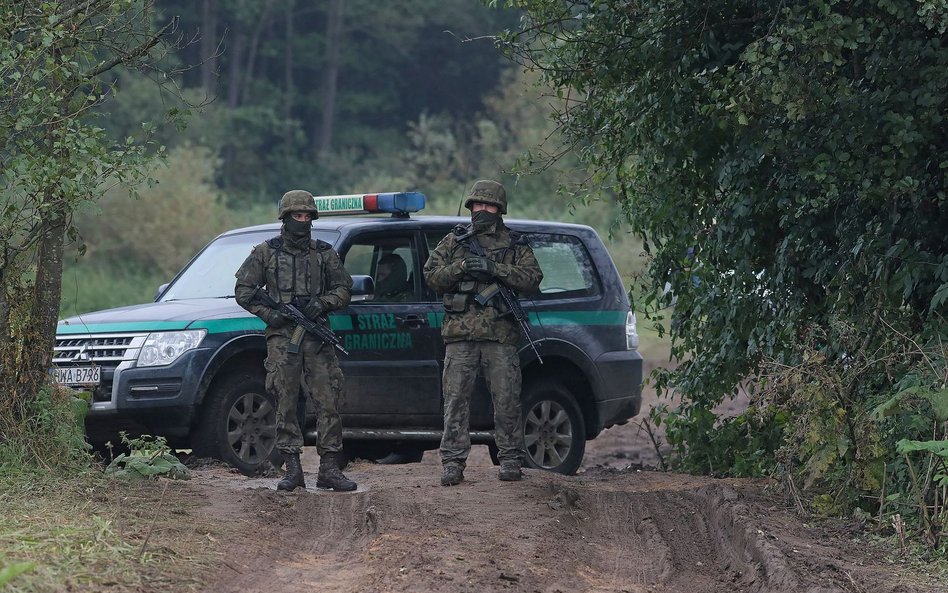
(135, 53)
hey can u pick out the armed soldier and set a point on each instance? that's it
(479, 333)
(294, 268)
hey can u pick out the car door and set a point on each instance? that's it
(393, 379)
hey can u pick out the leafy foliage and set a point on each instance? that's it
(166, 223)
(782, 162)
(149, 457)
(52, 435)
(53, 60)
(785, 165)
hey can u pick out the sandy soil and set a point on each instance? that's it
(606, 529)
(603, 530)
(614, 527)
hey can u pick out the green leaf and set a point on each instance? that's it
(940, 297)
(939, 448)
(9, 572)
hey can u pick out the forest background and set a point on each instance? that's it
(334, 97)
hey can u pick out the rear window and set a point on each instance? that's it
(568, 270)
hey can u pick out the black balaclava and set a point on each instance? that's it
(484, 221)
(296, 232)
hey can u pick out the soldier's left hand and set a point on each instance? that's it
(479, 265)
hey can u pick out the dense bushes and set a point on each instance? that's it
(786, 167)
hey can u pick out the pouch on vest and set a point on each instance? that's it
(455, 302)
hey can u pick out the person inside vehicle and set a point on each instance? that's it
(391, 280)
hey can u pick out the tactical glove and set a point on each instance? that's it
(314, 308)
(479, 265)
(276, 320)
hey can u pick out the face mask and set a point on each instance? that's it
(484, 220)
(297, 228)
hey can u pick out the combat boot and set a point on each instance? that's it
(510, 471)
(294, 473)
(452, 475)
(330, 476)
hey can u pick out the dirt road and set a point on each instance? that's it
(603, 530)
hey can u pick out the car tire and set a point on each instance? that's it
(238, 425)
(554, 432)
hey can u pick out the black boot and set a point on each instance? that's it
(330, 476)
(294, 473)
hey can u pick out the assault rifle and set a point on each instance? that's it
(304, 324)
(497, 289)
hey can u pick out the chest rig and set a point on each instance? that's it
(477, 289)
(296, 277)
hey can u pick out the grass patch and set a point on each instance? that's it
(95, 533)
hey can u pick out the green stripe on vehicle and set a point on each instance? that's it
(220, 326)
(579, 317)
(436, 319)
(340, 323)
(122, 327)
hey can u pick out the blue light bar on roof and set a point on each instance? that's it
(398, 202)
(390, 202)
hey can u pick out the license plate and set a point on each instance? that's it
(78, 375)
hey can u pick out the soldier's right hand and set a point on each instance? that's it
(277, 320)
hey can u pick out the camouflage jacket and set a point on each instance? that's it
(517, 269)
(287, 272)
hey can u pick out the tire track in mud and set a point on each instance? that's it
(401, 531)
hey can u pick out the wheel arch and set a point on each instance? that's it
(570, 365)
(243, 352)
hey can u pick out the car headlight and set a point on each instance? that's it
(161, 348)
(631, 335)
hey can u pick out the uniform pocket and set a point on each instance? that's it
(455, 302)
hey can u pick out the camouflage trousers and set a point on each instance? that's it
(314, 375)
(500, 365)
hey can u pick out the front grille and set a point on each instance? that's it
(98, 349)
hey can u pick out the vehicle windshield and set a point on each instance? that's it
(210, 275)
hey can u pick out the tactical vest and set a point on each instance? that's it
(472, 290)
(293, 277)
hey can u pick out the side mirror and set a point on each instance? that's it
(363, 288)
(161, 289)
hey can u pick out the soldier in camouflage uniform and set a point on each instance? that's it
(295, 268)
(481, 337)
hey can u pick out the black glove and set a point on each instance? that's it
(479, 265)
(277, 320)
(314, 308)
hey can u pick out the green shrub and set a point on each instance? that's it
(148, 457)
(49, 433)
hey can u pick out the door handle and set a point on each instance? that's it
(413, 321)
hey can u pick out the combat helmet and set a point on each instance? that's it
(488, 192)
(297, 200)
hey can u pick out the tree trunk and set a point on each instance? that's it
(233, 70)
(209, 48)
(288, 78)
(330, 78)
(247, 76)
(38, 343)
